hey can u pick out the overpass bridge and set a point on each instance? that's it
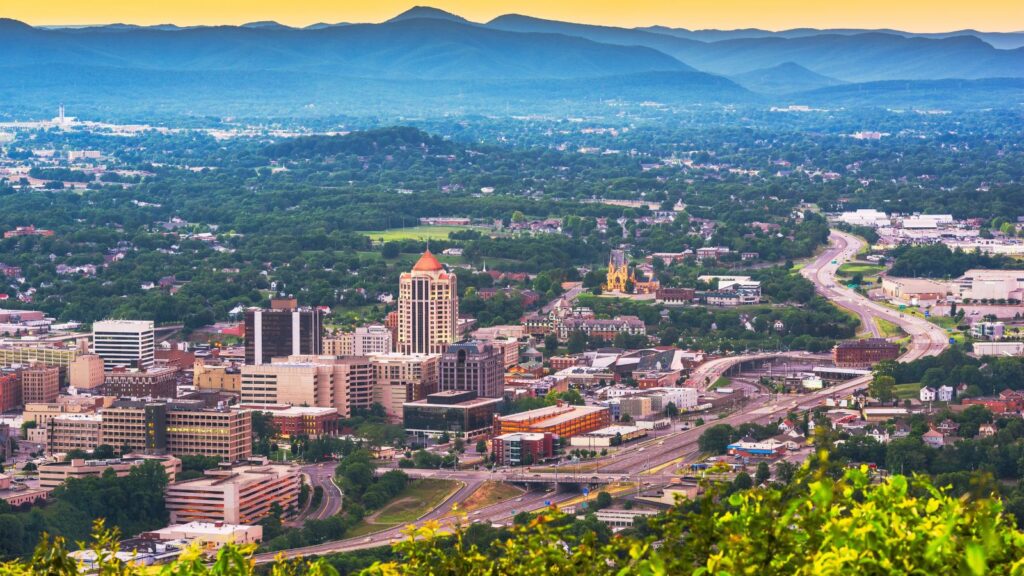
(706, 374)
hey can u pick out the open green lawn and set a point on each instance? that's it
(418, 498)
(888, 329)
(722, 382)
(905, 391)
(415, 233)
(863, 268)
(405, 261)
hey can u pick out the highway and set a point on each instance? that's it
(927, 338)
(321, 475)
(644, 461)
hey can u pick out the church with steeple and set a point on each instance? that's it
(620, 277)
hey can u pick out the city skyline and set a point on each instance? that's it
(912, 16)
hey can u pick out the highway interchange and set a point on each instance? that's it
(644, 462)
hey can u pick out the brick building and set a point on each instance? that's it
(159, 382)
(866, 352)
(522, 448)
(40, 384)
(10, 392)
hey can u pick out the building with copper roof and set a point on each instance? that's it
(428, 308)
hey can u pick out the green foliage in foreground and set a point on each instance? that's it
(817, 525)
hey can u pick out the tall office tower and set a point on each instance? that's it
(125, 343)
(428, 308)
(283, 330)
(473, 366)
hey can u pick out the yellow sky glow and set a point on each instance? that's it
(912, 15)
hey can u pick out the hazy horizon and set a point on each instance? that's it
(914, 16)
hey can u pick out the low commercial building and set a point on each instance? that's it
(998, 348)
(18, 494)
(675, 296)
(522, 448)
(992, 285)
(988, 330)
(451, 411)
(235, 493)
(562, 420)
(866, 352)
(607, 437)
(54, 474)
(915, 291)
(606, 329)
(137, 551)
(291, 421)
(208, 535)
(758, 450)
(635, 407)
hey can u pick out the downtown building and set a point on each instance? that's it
(363, 341)
(428, 308)
(284, 329)
(473, 366)
(241, 493)
(181, 428)
(40, 384)
(401, 378)
(344, 383)
(124, 343)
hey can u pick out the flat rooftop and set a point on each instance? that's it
(553, 415)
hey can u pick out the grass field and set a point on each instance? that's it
(905, 391)
(490, 493)
(864, 269)
(888, 329)
(722, 382)
(415, 233)
(418, 498)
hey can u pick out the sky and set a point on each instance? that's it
(911, 15)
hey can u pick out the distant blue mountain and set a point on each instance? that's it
(419, 44)
(855, 56)
(1000, 40)
(786, 78)
(427, 12)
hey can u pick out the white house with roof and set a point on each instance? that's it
(928, 394)
(945, 394)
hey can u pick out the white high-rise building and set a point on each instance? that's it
(373, 339)
(126, 343)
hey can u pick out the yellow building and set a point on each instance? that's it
(618, 272)
(620, 275)
(223, 377)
